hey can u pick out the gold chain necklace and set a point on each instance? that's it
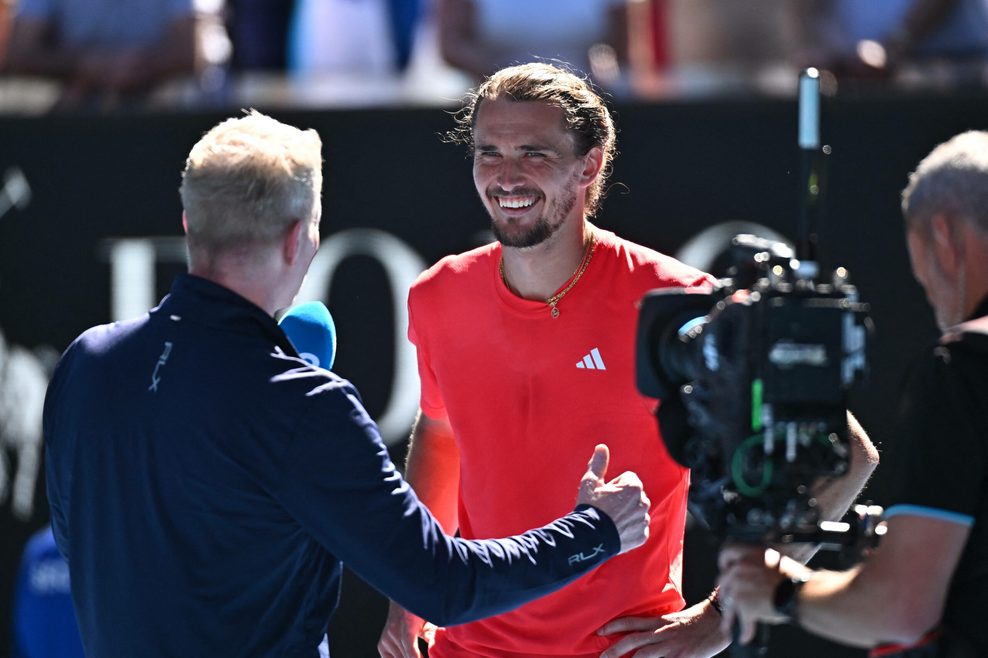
(554, 300)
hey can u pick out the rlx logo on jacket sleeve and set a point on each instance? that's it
(583, 557)
(155, 378)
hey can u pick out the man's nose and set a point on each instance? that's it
(510, 175)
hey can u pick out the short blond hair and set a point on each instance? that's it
(248, 180)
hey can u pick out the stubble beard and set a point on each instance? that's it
(540, 231)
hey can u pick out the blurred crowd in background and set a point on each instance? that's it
(111, 54)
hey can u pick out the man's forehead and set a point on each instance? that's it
(502, 115)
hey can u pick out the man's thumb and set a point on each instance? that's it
(598, 463)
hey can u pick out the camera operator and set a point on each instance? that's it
(924, 590)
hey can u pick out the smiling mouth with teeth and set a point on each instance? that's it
(516, 201)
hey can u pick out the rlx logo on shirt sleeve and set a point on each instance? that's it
(583, 557)
(155, 378)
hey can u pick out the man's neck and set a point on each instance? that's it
(538, 272)
(253, 283)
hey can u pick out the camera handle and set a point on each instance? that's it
(756, 648)
(863, 532)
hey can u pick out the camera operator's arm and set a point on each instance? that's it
(834, 496)
(897, 595)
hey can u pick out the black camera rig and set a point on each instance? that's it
(754, 375)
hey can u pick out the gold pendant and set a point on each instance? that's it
(554, 312)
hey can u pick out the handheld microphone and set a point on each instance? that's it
(312, 332)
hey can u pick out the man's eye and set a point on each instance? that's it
(534, 154)
(487, 154)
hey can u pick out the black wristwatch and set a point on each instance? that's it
(786, 596)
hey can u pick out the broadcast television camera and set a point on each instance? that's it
(753, 378)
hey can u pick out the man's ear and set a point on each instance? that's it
(593, 163)
(185, 223)
(947, 244)
(291, 244)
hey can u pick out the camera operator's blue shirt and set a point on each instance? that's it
(205, 484)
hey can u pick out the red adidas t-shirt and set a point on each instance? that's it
(528, 397)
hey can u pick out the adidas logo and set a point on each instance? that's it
(591, 361)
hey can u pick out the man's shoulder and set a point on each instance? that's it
(457, 269)
(962, 350)
(945, 369)
(296, 372)
(652, 266)
(102, 338)
(304, 388)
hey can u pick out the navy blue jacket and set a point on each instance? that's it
(205, 484)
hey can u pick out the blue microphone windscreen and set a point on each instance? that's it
(311, 330)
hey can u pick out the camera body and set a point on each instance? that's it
(753, 378)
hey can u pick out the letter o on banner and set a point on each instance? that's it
(402, 265)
